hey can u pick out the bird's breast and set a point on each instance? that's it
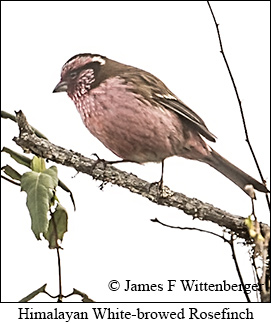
(129, 125)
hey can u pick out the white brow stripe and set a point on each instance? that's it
(98, 59)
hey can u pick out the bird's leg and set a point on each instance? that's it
(119, 161)
(161, 181)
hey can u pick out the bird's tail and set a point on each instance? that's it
(236, 175)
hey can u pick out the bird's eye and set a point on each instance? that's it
(73, 75)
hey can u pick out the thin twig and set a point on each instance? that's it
(189, 228)
(230, 242)
(45, 292)
(10, 180)
(59, 276)
(253, 208)
(247, 140)
(60, 296)
(240, 104)
(255, 272)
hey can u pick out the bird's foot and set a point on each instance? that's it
(163, 192)
(159, 185)
(160, 189)
(104, 163)
(98, 161)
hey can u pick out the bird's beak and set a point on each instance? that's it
(62, 86)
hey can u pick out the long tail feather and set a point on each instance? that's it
(235, 174)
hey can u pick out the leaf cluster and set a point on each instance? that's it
(48, 217)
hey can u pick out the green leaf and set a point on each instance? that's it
(11, 172)
(38, 164)
(33, 294)
(21, 159)
(58, 225)
(85, 298)
(7, 115)
(40, 189)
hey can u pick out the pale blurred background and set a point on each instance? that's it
(110, 235)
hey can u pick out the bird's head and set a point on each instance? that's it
(83, 72)
(80, 74)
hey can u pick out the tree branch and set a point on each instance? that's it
(191, 206)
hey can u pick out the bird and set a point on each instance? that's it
(136, 116)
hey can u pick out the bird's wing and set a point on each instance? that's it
(176, 105)
(158, 92)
